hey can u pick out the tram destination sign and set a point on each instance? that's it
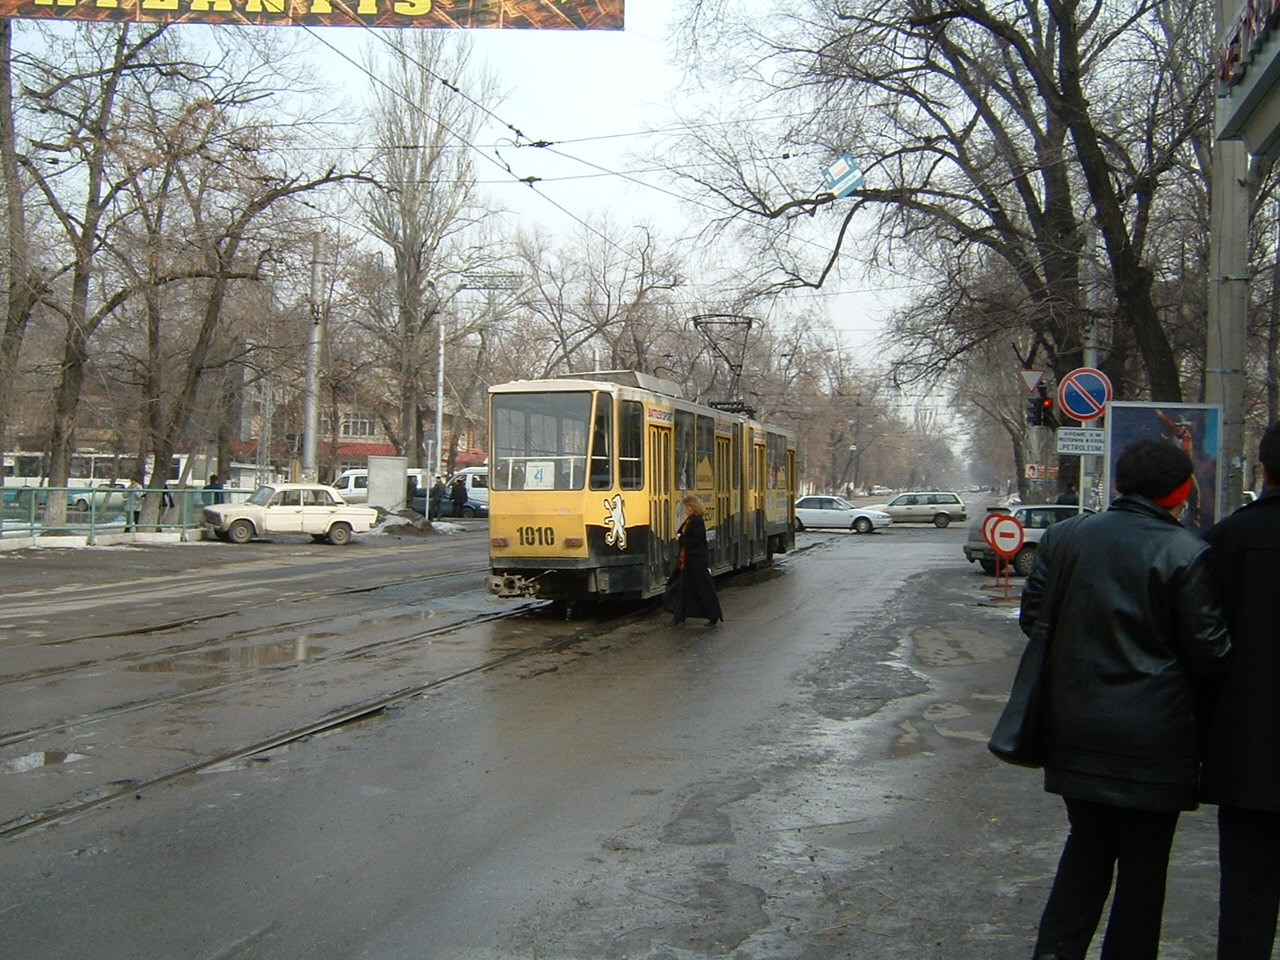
(1082, 441)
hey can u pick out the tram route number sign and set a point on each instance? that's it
(1081, 441)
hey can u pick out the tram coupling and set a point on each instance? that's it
(513, 585)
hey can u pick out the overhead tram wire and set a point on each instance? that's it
(502, 164)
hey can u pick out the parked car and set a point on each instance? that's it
(472, 508)
(1035, 520)
(353, 485)
(925, 506)
(290, 508)
(838, 512)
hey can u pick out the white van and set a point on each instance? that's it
(354, 484)
(477, 481)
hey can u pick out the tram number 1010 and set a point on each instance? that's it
(536, 536)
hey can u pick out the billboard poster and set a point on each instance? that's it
(449, 14)
(1195, 427)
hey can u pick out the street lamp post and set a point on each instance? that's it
(470, 281)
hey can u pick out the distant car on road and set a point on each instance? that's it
(925, 506)
(1035, 520)
(311, 508)
(815, 511)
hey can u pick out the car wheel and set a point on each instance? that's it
(340, 534)
(941, 520)
(988, 567)
(1022, 561)
(82, 504)
(862, 525)
(799, 525)
(468, 513)
(240, 532)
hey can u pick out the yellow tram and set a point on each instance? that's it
(587, 474)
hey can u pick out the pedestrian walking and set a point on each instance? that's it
(132, 504)
(439, 493)
(1134, 627)
(1242, 742)
(212, 493)
(691, 591)
(458, 495)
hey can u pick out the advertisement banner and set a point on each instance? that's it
(444, 14)
(1195, 428)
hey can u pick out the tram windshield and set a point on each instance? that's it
(539, 440)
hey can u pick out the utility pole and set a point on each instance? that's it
(1229, 208)
(470, 281)
(311, 399)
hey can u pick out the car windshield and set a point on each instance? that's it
(262, 496)
(843, 504)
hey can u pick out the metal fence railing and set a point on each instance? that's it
(92, 511)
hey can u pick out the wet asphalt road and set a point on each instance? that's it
(808, 780)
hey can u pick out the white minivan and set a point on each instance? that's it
(477, 481)
(354, 484)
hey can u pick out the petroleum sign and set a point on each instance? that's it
(1082, 441)
(1084, 393)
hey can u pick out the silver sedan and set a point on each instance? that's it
(838, 512)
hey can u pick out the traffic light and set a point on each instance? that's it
(1040, 411)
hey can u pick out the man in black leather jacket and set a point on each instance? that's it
(1135, 625)
(1242, 743)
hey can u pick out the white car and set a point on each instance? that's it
(838, 512)
(310, 508)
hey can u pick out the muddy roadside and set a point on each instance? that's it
(903, 836)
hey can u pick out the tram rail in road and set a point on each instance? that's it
(92, 717)
(121, 787)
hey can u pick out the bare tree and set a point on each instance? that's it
(988, 133)
(424, 130)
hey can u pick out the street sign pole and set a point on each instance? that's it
(1083, 395)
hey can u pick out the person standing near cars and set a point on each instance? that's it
(458, 495)
(436, 498)
(1134, 627)
(1242, 742)
(213, 491)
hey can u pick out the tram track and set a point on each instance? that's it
(238, 636)
(256, 675)
(121, 787)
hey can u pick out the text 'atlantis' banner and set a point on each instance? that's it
(474, 14)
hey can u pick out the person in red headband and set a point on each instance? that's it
(1134, 630)
(1242, 740)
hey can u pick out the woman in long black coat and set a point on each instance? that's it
(692, 592)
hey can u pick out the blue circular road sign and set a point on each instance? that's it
(1084, 393)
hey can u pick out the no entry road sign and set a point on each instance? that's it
(1084, 393)
(1006, 536)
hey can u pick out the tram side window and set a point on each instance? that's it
(777, 459)
(706, 448)
(602, 444)
(631, 445)
(684, 450)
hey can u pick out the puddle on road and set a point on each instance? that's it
(259, 655)
(43, 758)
